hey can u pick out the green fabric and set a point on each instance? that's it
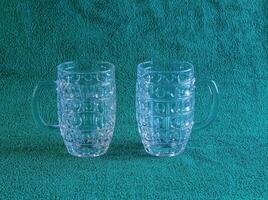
(225, 40)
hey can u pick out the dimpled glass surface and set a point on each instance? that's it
(165, 109)
(86, 110)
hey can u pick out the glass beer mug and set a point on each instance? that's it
(165, 102)
(86, 102)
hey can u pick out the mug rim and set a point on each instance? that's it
(141, 67)
(62, 68)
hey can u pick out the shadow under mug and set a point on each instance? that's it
(165, 103)
(86, 104)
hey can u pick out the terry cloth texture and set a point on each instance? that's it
(225, 40)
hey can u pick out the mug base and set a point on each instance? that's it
(161, 150)
(85, 150)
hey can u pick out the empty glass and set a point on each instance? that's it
(86, 102)
(165, 100)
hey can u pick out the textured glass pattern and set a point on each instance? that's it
(86, 110)
(164, 108)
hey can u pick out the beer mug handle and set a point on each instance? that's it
(213, 108)
(39, 121)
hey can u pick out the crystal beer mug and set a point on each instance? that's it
(165, 102)
(86, 104)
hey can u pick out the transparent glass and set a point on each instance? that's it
(165, 102)
(86, 102)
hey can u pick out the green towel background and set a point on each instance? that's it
(225, 40)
